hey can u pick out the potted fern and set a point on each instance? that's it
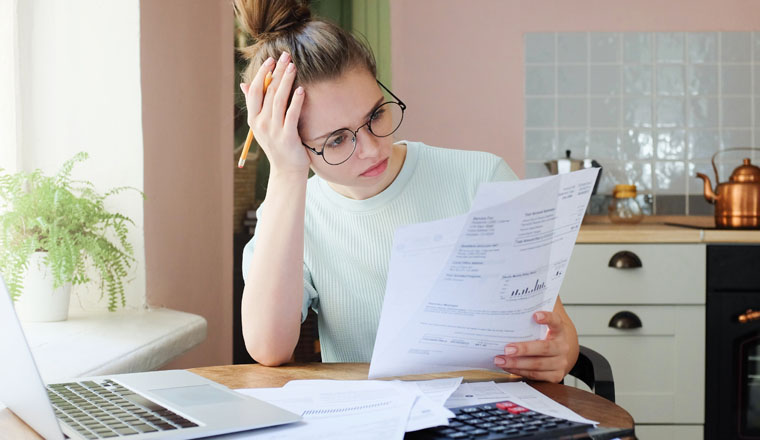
(55, 232)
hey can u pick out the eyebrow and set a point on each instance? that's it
(369, 113)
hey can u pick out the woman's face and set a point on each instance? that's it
(347, 102)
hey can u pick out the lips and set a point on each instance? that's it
(376, 169)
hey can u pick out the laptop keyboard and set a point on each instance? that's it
(105, 409)
(502, 420)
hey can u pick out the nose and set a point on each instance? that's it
(366, 144)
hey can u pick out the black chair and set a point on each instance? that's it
(593, 369)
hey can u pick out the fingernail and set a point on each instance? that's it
(499, 361)
(540, 316)
(510, 350)
(284, 56)
(291, 68)
(269, 61)
(299, 91)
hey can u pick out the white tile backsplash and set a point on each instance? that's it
(574, 140)
(736, 112)
(637, 79)
(735, 47)
(702, 47)
(539, 112)
(539, 48)
(703, 112)
(572, 112)
(637, 47)
(669, 47)
(603, 144)
(670, 177)
(637, 112)
(604, 79)
(539, 80)
(670, 112)
(605, 47)
(651, 107)
(702, 79)
(636, 144)
(604, 112)
(572, 80)
(572, 47)
(540, 144)
(670, 144)
(671, 80)
(732, 138)
(736, 79)
(702, 144)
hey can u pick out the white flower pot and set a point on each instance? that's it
(38, 301)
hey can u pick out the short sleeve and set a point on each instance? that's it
(502, 172)
(310, 296)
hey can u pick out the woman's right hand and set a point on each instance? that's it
(275, 127)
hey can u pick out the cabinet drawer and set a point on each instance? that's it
(659, 368)
(669, 274)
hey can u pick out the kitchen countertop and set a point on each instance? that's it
(653, 229)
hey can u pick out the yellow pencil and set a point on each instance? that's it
(249, 139)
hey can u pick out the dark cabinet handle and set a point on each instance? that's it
(625, 260)
(625, 320)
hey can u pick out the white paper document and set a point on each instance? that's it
(461, 288)
(333, 409)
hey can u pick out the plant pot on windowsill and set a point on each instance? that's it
(41, 302)
(68, 221)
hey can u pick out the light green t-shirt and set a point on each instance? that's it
(347, 242)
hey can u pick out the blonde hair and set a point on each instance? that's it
(319, 49)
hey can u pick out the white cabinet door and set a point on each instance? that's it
(669, 274)
(658, 368)
(669, 432)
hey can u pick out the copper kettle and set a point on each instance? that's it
(737, 202)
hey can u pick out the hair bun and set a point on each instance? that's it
(263, 19)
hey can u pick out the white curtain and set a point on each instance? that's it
(9, 92)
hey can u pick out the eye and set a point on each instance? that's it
(377, 114)
(336, 141)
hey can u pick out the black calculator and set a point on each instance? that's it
(507, 420)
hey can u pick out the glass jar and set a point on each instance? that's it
(624, 208)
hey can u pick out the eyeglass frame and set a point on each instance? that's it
(367, 124)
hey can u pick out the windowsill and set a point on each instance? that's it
(100, 342)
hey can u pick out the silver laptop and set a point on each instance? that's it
(156, 404)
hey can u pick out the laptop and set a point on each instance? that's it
(157, 404)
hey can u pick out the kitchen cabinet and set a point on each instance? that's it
(649, 322)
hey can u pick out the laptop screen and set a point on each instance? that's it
(21, 388)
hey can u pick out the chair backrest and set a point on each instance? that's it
(595, 371)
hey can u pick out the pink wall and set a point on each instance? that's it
(187, 89)
(459, 64)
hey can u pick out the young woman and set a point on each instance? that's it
(324, 242)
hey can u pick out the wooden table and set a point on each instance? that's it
(582, 402)
(256, 376)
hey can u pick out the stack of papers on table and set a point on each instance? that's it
(368, 409)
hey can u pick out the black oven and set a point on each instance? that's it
(732, 370)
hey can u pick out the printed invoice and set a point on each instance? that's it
(461, 288)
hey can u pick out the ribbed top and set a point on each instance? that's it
(348, 242)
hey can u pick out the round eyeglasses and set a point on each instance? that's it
(383, 122)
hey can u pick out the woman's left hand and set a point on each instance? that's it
(546, 359)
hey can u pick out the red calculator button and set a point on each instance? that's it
(505, 405)
(517, 410)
